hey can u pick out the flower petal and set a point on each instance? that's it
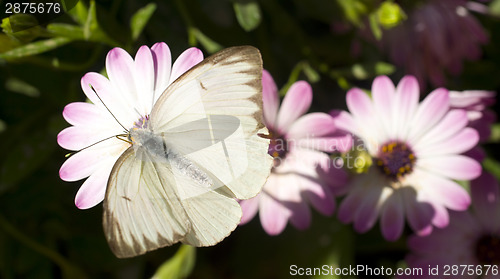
(296, 102)
(312, 125)
(452, 166)
(318, 196)
(345, 121)
(270, 100)
(405, 105)
(162, 61)
(300, 214)
(145, 78)
(419, 214)
(93, 189)
(369, 208)
(249, 208)
(452, 123)
(188, 59)
(431, 110)
(457, 144)
(383, 91)
(80, 113)
(392, 217)
(106, 98)
(121, 72)
(444, 191)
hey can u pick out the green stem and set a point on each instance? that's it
(188, 21)
(69, 270)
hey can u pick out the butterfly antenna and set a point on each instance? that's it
(92, 87)
(95, 143)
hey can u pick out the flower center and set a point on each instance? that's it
(395, 160)
(488, 249)
(277, 148)
(142, 123)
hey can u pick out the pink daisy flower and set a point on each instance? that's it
(416, 152)
(129, 94)
(436, 38)
(472, 237)
(302, 173)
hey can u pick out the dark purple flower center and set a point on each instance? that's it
(395, 160)
(488, 249)
(277, 148)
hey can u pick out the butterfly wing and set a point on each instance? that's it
(142, 209)
(225, 89)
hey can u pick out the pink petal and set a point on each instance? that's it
(145, 78)
(349, 205)
(430, 111)
(249, 208)
(383, 91)
(273, 215)
(318, 196)
(441, 217)
(270, 99)
(405, 105)
(419, 214)
(368, 210)
(162, 61)
(300, 214)
(359, 104)
(93, 189)
(312, 125)
(457, 144)
(392, 217)
(452, 123)
(344, 121)
(485, 199)
(452, 166)
(121, 72)
(272, 212)
(78, 137)
(80, 113)
(85, 162)
(188, 59)
(445, 191)
(296, 102)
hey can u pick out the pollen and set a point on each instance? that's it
(395, 160)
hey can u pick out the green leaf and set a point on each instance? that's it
(22, 27)
(495, 7)
(248, 15)
(354, 10)
(492, 166)
(3, 126)
(79, 13)
(179, 266)
(311, 74)
(35, 48)
(139, 20)
(210, 45)
(390, 14)
(91, 23)
(21, 87)
(66, 30)
(495, 133)
(68, 4)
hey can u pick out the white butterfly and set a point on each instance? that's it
(198, 151)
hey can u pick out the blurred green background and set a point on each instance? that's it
(43, 234)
